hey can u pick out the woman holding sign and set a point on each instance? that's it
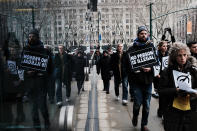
(162, 54)
(177, 84)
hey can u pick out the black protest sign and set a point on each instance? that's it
(142, 58)
(34, 61)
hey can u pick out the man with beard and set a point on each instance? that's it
(35, 82)
(141, 81)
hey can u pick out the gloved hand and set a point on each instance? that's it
(170, 31)
(182, 93)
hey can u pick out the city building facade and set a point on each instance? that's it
(71, 23)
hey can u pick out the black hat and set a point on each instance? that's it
(35, 32)
(140, 29)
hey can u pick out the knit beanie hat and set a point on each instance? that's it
(35, 32)
(140, 29)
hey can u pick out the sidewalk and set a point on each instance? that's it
(113, 116)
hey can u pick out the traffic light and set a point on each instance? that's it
(93, 5)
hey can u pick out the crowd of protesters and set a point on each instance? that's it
(37, 86)
(177, 105)
(180, 57)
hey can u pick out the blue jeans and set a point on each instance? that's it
(142, 95)
(124, 87)
(59, 90)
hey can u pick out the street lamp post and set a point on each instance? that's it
(151, 20)
(98, 27)
(33, 20)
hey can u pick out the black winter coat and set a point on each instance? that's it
(81, 63)
(68, 63)
(115, 68)
(139, 77)
(35, 82)
(104, 67)
(39, 48)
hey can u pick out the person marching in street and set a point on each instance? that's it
(176, 84)
(161, 53)
(105, 69)
(141, 81)
(193, 48)
(63, 69)
(13, 90)
(36, 81)
(97, 57)
(109, 50)
(120, 73)
(51, 78)
(80, 61)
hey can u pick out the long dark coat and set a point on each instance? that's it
(140, 77)
(114, 65)
(68, 63)
(81, 63)
(104, 67)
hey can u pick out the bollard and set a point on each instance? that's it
(66, 118)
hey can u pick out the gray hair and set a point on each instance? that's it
(173, 52)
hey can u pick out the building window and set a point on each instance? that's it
(60, 28)
(60, 35)
(59, 23)
(103, 27)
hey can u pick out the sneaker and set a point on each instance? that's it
(134, 121)
(144, 128)
(107, 92)
(117, 98)
(67, 99)
(59, 103)
(124, 102)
